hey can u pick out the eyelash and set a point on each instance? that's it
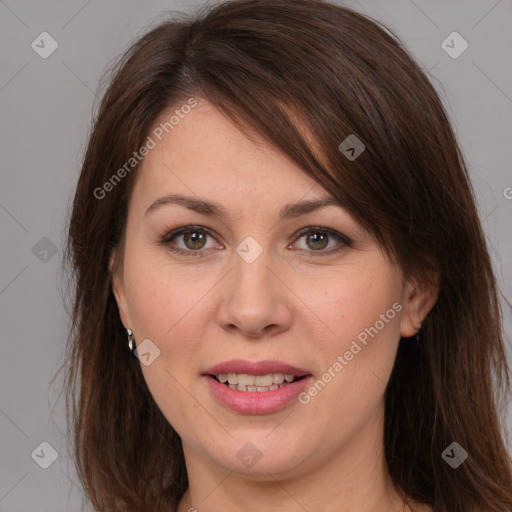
(199, 253)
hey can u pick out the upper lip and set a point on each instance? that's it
(255, 368)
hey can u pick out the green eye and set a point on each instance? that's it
(311, 241)
(317, 240)
(189, 240)
(194, 240)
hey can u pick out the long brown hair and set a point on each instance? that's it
(305, 74)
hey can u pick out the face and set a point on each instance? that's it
(227, 281)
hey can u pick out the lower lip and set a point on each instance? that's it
(257, 402)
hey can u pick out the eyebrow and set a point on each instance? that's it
(216, 210)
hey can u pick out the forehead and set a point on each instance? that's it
(206, 154)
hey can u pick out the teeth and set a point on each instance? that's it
(245, 380)
(258, 389)
(262, 381)
(277, 378)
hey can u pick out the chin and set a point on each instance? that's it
(256, 456)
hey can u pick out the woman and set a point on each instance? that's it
(284, 299)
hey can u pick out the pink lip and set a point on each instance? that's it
(255, 368)
(257, 402)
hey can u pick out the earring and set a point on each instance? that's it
(131, 341)
(418, 334)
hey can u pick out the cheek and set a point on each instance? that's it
(353, 304)
(360, 313)
(169, 305)
(163, 297)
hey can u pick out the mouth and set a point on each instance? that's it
(250, 387)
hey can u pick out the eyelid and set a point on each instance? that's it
(331, 232)
(343, 239)
(173, 233)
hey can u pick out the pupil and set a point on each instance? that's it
(321, 239)
(194, 240)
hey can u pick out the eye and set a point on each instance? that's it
(316, 241)
(190, 240)
(323, 241)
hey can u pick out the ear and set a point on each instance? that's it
(116, 272)
(419, 299)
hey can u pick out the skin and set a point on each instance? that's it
(326, 455)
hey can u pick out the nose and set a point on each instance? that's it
(255, 301)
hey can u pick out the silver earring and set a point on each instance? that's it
(418, 334)
(131, 341)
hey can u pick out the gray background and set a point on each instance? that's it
(46, 107)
